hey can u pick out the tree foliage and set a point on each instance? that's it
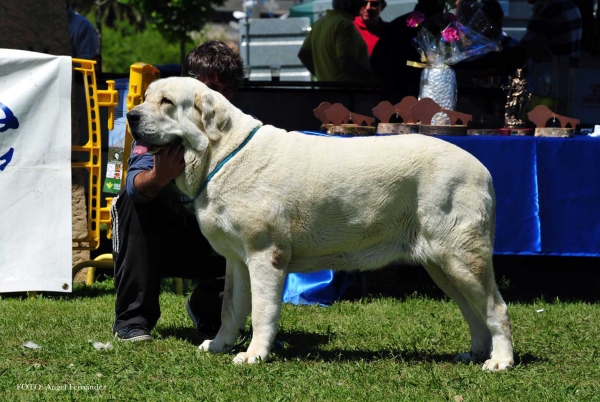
(175, 19)
(130, 34)
(109, 12)
(123, 45)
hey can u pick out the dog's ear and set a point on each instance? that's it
(195, 137)
(192, 133)
(214, 119)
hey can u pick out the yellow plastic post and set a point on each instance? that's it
(94, 99)
(141, 75)
(109, 98)
(102, 261)
(178, 286)
(91, 273)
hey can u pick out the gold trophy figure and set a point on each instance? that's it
(517, 98)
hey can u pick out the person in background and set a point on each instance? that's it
(334, 50)
(156, 234)
(556, 28)
(369, 23)
(487, 18)
(554, 31)
(493, 10)
(84, 38)
(511, 55)
(394, 48)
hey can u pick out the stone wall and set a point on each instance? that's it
(42, 26)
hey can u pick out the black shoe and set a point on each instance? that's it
(133, 333)
(204, 308)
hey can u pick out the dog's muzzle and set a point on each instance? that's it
(133, 118)
(142, 146)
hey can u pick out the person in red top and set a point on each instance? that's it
(369, 23)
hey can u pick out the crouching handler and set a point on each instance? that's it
(154, 233)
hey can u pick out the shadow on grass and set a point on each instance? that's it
(521, 279)
(527, 359)
(340, 355)
(92, 291)
(187, 334)
(305, 346)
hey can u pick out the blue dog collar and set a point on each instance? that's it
(224, 161)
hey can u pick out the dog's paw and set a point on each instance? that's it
(210, 346)
(205, 346)
(247, 358)
(497, 365)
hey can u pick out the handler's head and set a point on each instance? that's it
(217, 65)
(371, 10)
(350, 6)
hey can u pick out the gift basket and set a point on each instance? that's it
(446, 39)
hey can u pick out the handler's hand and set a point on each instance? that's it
(168, 164)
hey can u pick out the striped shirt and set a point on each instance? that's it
(556, 23)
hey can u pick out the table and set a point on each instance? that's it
(547, 192)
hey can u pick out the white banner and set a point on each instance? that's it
(35, 172)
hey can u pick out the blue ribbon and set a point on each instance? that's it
(224, 161)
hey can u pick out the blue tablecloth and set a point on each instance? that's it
(548, 203)
(547, 193)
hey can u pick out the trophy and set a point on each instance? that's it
(517, 98)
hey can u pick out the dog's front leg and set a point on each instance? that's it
(267, 278)
(235, 310)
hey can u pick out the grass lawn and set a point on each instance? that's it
(372, 349)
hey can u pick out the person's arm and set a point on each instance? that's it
(352, 55)
(88, 46)
(305, 54)
(306, 58)
(148, 184)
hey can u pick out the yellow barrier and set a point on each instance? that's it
(92, 149)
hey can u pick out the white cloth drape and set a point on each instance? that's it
(35, 172)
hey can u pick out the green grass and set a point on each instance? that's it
(379, 349)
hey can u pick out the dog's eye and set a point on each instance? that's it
(165, 101)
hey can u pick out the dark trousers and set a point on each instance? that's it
(150, 242)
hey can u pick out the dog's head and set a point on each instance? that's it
(177, 109)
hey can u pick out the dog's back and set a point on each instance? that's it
(362, 203)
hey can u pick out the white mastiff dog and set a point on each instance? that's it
(273, 202)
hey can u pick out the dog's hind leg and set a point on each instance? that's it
(267, 278)
(481, 338)
(235, 310)
(472, 275)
